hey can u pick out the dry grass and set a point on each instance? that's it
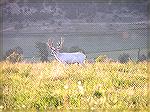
(53, 86)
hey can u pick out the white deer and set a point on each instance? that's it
(66, 58)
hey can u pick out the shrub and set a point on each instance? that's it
(148, 55)
(97, 94)
(124, 58)
(101, 58)
(142, 58)
(10, 70)
(76, 49)
(42, 51)
(51, 101)
(14, 55)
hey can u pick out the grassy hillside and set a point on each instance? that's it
(55, 87)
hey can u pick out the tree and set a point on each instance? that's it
(63, 49)
(124, 58)
(101, 58)
(148, 55)
(76, 49)
(42, 51)
(142, 58)
(14, 54)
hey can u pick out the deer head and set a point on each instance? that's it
(55, 50)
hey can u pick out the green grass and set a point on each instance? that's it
(55, 87)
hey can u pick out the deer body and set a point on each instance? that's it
(67, 58)
(70, 58)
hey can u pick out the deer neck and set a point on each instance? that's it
(56, 55)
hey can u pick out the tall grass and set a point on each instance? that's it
(54, 86)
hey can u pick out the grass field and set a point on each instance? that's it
(56, 87)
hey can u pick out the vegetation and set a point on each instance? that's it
(101, 58)
(124, 58)
(142, 58)
(14, 55)
(56, 87)
(42, 51)
(76, 49)
(148, 56)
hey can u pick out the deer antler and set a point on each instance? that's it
(50, 43)
(60, 44)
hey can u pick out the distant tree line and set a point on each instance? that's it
(123, 58)
(15, 54)
(52, 10)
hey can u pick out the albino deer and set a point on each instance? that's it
(67, 58)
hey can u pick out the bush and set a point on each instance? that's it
(101, 58)
(76, 49)
(124, 58)
(148, 55)
(42, 51)
(142, 58)
(14, 55)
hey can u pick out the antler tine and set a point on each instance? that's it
(62, 40)
(60, 43)
(50, 43)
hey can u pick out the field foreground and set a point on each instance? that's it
(55, 87)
